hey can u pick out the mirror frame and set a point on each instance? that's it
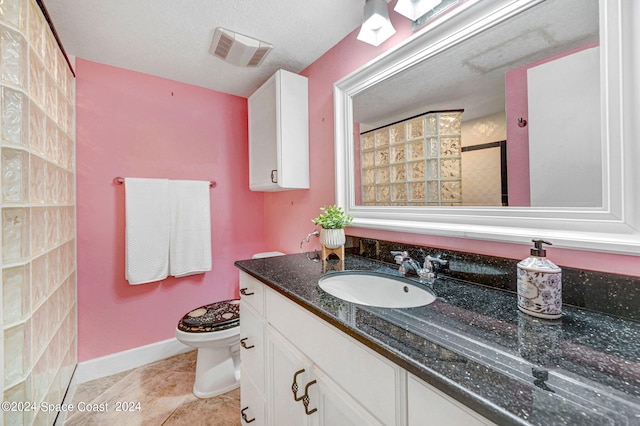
(612, 228)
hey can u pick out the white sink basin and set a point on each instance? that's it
(374, 289)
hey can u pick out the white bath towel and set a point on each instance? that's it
(190, 241)
(147, 229)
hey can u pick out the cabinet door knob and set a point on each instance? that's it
(245, 292)
(274, 176)
(306, 399)
(243, 343)
(294, 385)
(245, 417)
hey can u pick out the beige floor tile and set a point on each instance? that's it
(86, 392)
(220, 411)
(184, 363)
(156, 394)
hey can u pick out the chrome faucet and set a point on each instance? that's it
(315, 233)
(407, 264)
(430, 266)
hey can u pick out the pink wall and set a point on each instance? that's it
(289, 214)
(517, 137)
(132, 124)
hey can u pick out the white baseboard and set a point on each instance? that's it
(122, 361)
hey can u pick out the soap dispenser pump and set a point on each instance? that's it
(539, 284)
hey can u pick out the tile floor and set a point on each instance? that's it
(163, 391)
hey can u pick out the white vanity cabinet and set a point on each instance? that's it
(421, 400)
(273, 365)
(343, 381)
(302, 394)
(279, 134)
(364, 381)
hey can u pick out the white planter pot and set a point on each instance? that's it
(332, 238)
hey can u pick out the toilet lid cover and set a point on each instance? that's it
(214, 317)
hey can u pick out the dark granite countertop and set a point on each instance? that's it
(474, 345)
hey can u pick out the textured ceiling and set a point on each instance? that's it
(171, 38)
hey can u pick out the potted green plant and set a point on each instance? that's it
(333, 220)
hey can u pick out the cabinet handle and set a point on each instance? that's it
(243, 343)
(294, 385)
(244, 292)
(274, 176)
(244, 415)
(306, 399)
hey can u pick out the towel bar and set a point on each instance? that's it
(120, 180)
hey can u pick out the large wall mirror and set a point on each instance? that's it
(505, 120)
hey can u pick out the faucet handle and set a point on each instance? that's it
(400, 256)
(437, 259)
(426, 273)
(427, 264)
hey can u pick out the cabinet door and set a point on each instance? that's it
(336, 407)
(293, 131)
(252, 348)
(252, 405)
(327, 404)
(263, 148)
(429, 406)
(288, 371)
(279, 134)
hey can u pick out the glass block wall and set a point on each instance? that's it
(38, 260)
(413, 162)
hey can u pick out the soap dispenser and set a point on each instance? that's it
(539, 284)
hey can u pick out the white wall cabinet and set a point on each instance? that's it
(343, 381)
(279, 134)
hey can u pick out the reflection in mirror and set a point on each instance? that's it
(529, 89)
(413, 162)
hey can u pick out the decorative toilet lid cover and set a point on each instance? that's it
(214, 317)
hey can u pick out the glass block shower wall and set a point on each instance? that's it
(38, 297)
(416, 162)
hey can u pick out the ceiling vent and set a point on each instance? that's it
(238, 49)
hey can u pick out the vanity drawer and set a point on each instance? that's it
(370, 379)
(252, 292)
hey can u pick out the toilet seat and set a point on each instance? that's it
(216, 316)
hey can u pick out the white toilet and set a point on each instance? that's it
(214, 330)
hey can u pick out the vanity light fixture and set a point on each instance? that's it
(238, 49)
(414, 9)
(376, 26)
